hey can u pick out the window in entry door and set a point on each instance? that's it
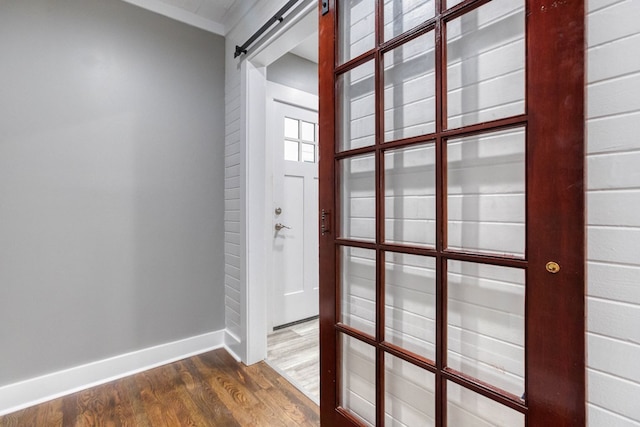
(300, 143)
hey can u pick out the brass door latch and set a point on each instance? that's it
(553, 267)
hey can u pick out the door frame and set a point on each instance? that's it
(555, 84)
(255, 166)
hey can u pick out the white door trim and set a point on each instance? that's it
(252, 172)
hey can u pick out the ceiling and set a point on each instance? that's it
(205, 14)
(308, 48)
(217, 16)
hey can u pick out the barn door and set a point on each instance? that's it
(451, 206)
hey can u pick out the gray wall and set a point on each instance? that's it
(111, 183)
(296, 72)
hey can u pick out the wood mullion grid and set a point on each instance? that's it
(441, 212)
(490, 259)
(440, 252)
(538, 36)
(470, 130)
(518, 121)
(485, 389)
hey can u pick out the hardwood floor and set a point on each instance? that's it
(295, 352)
(211, 389)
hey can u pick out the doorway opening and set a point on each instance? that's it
(280, 82)
(292, 129)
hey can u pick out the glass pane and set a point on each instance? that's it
(469, 409)
(410, 89)
(403, 15)
(410, 307)
(409, 398)
(356, 126)
(308, 152)
(358, 198)
(410, 191)
(291, 128)
(358, 379)
(291, 151)
(358, 288)
(485, 332)
(308, 131)
(486, 193)
(356, 26)
(485, 63)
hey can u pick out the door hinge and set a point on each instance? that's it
(325, 7)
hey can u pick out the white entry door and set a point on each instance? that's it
(295, 213)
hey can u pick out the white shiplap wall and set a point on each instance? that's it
(613, 199)
(232, 214)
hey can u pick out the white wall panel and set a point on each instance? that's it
(358, 379)
(611, 20)
(409, 394)
(609, 53)
(614, 393)
(614, 319)
(618, 282)
(614, 207)
(410, 206)
(622, 364)
(358, 288)
(409, 95)
(466, 408)
(485, 192)
(400, 16)
(233, 247)
(613, 244)
(485, 57)
(613, 132)
(485, 314)
(602, 417)
(614, 170)
(410, 308)
(613, 96)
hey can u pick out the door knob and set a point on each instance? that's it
(281, 226)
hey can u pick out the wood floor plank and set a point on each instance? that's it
(50, 413)
(70, 410)
(133, 412)
(205, 398)
(230, 390)
(211, 389)
(212, 375)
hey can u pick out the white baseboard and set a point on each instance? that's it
(23, 394)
